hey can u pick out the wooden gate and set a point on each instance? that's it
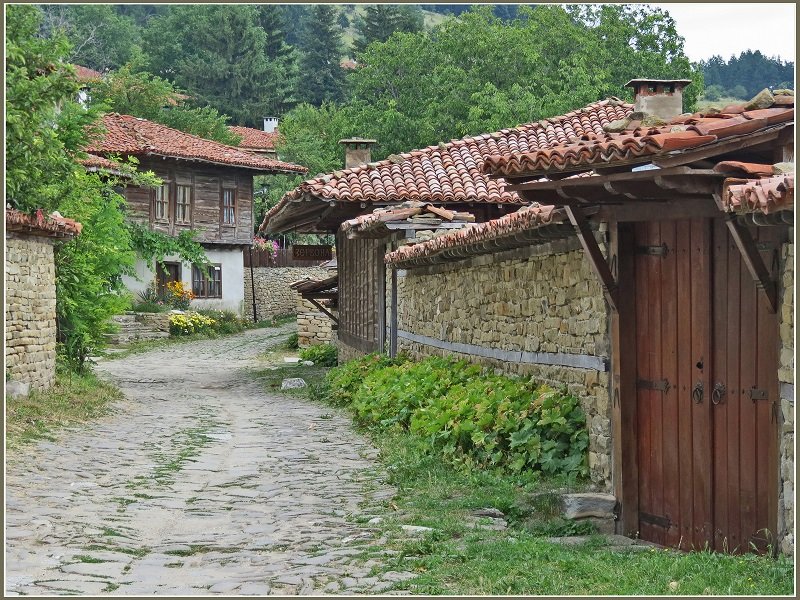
(706, 389)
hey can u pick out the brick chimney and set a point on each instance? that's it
(662, 98)
(357, 151)
(270, 124)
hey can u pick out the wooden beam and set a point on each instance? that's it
(325, 310)
(700, 207)
(755, 264)
(729, 145)
(593, 253)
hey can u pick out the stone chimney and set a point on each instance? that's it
(357, 151)
(662, 98)
(270, 124)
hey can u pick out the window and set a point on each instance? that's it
(161, 203)
(207, 283)
(228, 206)
(183, 204)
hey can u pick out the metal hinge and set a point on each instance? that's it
(660, 385)
(656, 520)
(661, 250)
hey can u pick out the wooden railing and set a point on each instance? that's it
(283, 258)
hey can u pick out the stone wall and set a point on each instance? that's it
(30, 310)
(274, 297)
(313, 326)
(786, 377)
(517, 311)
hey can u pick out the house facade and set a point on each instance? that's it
(207, 188)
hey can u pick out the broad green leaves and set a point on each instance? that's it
(473, 418)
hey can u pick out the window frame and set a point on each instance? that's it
(224, 207)
(188, 204)
(201, 281)
(165, 188)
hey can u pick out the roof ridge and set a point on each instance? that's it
(465, 140)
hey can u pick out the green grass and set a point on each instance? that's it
(457, 558)
(72, 400)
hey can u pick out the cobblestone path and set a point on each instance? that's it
(198, 483)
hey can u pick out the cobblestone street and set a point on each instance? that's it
(200, 482)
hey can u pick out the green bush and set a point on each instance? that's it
(293, 342)
(323, 355)
(225, 321)
(472, 418)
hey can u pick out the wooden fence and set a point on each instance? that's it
(283, 258)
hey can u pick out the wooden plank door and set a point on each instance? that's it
(672, 271)
(167, 272)
(746, 400)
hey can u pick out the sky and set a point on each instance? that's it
(730, 28)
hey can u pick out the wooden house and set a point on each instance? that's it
(257, 141)
(207, 187)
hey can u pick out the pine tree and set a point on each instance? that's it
(282, 93)
(320, 69)
(218, 53)
(380, 21)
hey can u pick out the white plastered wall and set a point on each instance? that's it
(232, 265)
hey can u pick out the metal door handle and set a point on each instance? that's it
(717, 393)
(697, 392)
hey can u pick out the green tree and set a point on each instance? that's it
(45, 131)
(380, 21)
(320, 69)
(101, 37)
(140, 94)
(218, 54)
(283, 72)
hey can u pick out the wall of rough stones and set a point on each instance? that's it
(545, 304)
(786, 377)
(30, 310)
(274, 297)
(313, 326)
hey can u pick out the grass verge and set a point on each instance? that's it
(464, 555)
(73, 399)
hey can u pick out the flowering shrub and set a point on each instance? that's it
(269, 246)
(189, 323)
(180, 297)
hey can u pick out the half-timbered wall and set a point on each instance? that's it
(207, 183)
(361, 296)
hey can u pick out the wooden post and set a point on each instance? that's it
(393, 317)
(752, 259)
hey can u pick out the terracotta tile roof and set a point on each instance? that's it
(736, 167)
(638, 143)
(413, 213)
(767, 195)
(86, 75)
(53, 225)
(526, 219)
(130, 135)
(255, 139)
(452, 172)
(93, 162)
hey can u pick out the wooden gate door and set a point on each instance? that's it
(707, 389)
(673, 346)
(745, 397)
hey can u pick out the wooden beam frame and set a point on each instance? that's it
(624, 419)
(593, 253)
(752, 259)
(325, 310)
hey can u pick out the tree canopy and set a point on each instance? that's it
(746, 75)
(322, 74)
